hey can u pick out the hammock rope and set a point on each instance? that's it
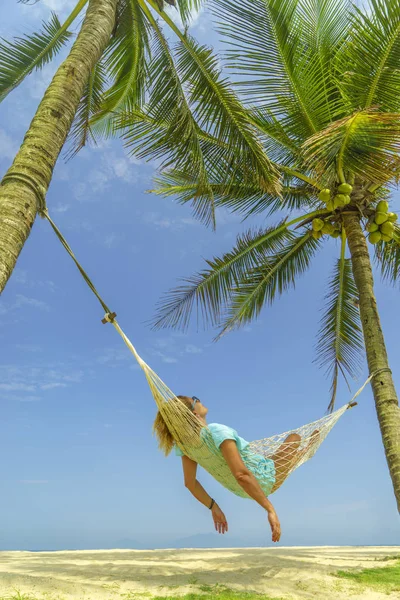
(195, 440)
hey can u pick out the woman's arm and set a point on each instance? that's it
(195, 487)
(250, 484)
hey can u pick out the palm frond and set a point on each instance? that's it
(211, 290)
(218, 112)
(81, 132)
(278, 144)
(165, 128)
(340, 341)
(260, 285)
(21, 56)
(125, 61)
(369, 60)
(387, 256)
(277, 68)
(241, 197)
(365, 144)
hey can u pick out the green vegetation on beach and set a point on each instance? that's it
(386, 578)
(218, 595)
(206, 593)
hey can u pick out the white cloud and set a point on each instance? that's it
(60, 208)
(161, 222)
(122, 169)
(113, 356)
(21, 277)
(33, 302)
(21, 382)
(167, 359)
(52, 386)
(16, 387)
(191, 349)
(195, 22)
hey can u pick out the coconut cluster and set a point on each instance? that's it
(339, 200)
(321, 227)
(380, 226)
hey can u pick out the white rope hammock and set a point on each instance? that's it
(196, 441)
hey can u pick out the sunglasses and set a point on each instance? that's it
(195, 399)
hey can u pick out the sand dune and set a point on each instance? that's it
(107, 574)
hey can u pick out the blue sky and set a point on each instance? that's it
(82, 468)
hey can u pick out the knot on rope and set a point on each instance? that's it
(109, 318)
(370, 377)
(375, 373)
(32, 184)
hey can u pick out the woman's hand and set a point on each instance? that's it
(275, 525)
(220, 522)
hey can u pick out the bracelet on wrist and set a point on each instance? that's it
(212, 503)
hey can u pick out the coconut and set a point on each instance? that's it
(380, 217)
(316, 234)
(375, 237)
(382, 206)
(330, 206)
(392, 217)
(324, 195)
(387, 228)
(335, 233)
(345, 188)
(339, 200)
(386, 238)
(347, 199)
(372, 226)
(327, 228)
(317, 224)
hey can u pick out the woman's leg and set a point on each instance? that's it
(288, 455)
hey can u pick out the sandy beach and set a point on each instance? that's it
(110, 574)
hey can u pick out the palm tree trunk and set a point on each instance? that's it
(386, 402)
(47, 133)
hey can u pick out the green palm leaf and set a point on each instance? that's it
(260, 285)
(241, 197)
(278, 144)
(21, 56)
(210, 290)
(340, 342)
(81, 131)
(277, 66)
(166, 130)
(370, 58)
(365, 144)
(218, 112)
(387, 256)
(126, 63)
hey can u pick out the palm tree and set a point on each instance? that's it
(320, 85)
(121, 58)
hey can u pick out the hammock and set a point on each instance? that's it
(190, 436)
(196, 441)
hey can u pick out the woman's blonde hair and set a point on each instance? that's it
(165, 439)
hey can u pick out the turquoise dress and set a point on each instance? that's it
(262, 468)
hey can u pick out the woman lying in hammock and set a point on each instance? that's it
(257, 475)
